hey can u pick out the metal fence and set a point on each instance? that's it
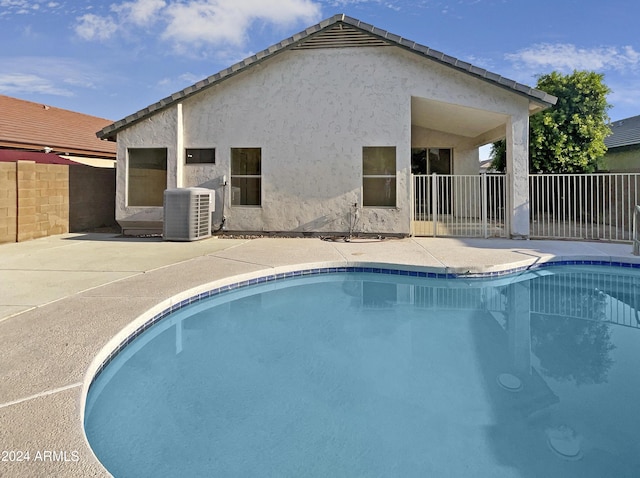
(636, 231)
(460, 205)
(589, 295)
(579, 293)
(583, 206)
(562, 206)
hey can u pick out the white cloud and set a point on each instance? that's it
(197, 23)
(24, 7)
(93, 27)
(57, 76)
(346, 3)
(625, 96)
(140, 12)
(14, 3)
(227, 21)
(18, 83)
(181, 81)
(566, 58)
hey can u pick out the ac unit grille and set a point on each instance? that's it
(187, 214)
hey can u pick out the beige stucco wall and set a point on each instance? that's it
(621, 161)
(312, 112)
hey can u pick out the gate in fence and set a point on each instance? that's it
(460, 205)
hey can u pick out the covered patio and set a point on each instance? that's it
(447, 192)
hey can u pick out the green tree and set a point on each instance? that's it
(498, 155)
(568, 137)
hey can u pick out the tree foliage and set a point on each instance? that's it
(568, 137)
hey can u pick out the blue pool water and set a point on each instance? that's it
(378, 375)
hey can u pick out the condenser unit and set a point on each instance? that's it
(187, 214)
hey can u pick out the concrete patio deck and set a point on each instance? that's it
(62, 299)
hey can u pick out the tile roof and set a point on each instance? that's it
(35, 126)
(625, 132)
(335, 32)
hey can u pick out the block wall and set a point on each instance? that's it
(92, 198)
(34, 200)
(8, 203)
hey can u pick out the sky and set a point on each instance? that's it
(111, 59)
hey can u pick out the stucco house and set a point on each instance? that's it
(321, 130)
(623, 147)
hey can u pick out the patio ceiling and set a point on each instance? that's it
(454, 119)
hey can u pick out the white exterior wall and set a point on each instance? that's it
(312, 112)
(311, 128)
(158, 131)
(518, 170)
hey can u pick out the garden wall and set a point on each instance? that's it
(38, 200)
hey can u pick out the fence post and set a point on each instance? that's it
(508, 204)
(434, 203)
(635, 238)
(412, 206)
(483, 189)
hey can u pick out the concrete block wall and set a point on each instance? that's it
(34, 201)
(92, 198)
(8, 203)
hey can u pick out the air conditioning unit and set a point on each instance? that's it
(187, 214)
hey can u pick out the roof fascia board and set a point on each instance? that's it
(37, 148)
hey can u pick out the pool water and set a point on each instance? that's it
(378, 375)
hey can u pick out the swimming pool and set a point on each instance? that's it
(381, 374)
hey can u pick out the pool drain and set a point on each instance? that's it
(509, 382)
(564, 442)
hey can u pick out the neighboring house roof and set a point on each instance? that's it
(10, 156)
(625, 132)
(338, 31)
(485, 166)
(36, 127)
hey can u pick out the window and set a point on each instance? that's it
(200, 156)
(146, 176)
(246, 180)
(431, 160)
(379, 176)
(439, 161)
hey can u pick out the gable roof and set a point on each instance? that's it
(624, 132)
(34, 126)
(339, 31)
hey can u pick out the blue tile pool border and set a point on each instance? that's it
(337, 270)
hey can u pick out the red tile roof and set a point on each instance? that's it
(35, 126)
